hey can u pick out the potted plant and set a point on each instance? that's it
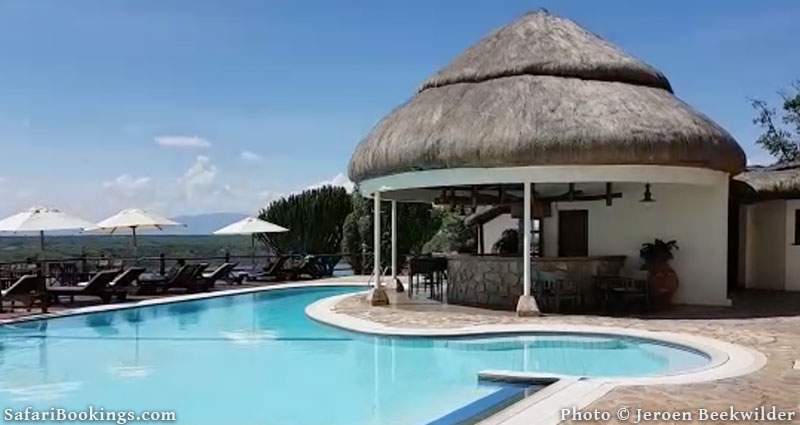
(661, 278)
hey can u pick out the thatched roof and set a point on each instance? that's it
(543, 91)
(776, 181)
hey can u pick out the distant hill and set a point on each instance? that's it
(203, 224)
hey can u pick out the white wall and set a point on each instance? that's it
(493, 229)
(766, 227)
(792, 282)
(695, 216)
(743, 245)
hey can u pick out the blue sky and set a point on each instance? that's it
(194, 106)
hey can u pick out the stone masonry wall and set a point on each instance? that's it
(488, 282)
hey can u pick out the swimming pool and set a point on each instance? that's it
(257, 359)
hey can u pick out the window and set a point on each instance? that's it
(537, 250)
(797, 227)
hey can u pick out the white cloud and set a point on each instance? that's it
(182, 142)
(127, 191)
(250, 156)
(125, 184)
(337, 180)
(199, 177)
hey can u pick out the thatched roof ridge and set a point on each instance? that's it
(525, 119)
(539, 43)
(777, 181)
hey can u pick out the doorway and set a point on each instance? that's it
(573, 233)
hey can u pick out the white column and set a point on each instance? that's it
(376, 241)
(394, 241)
(526, 242)
(398, 285)
(377, 296)
(526, 306)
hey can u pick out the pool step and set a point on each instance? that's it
(545, 406)
(484, 407)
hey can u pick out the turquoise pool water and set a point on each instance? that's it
(257, 359)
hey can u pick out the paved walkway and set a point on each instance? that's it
(777, 384)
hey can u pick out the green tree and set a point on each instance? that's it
(508, 242)
(453, 236)
(356, 232)
(781, 137)
(416, 224)
(315, 219)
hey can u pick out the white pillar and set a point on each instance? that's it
(377, 296)
(376, 238)
(398, 286)
(394, 240)
(526, 306)
(526, 242)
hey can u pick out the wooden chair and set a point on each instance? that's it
(554, 289)
(619, 294)
(97, 286)
(432, 271)
(28, 289)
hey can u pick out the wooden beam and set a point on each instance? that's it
(474, 198)
(580, 198)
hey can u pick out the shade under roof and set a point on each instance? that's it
(544, 91)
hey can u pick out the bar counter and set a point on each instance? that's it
(495, 282)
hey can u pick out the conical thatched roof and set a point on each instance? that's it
(543, 91)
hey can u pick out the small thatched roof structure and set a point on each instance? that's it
(543, 91)
(774, 182)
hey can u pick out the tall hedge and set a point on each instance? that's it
(416, 224)
(314, 217)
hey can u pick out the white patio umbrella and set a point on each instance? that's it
(42, 219)
(133, 219)
(251, 226)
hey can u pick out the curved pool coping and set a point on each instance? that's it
(726, 360)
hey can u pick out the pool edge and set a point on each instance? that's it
(177, 298)
(727, 360)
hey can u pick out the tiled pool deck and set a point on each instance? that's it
(778, 338)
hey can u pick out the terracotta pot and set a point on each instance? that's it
(663, 282)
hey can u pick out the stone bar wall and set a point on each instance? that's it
(495, 282)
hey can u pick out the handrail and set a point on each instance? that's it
(34, 260)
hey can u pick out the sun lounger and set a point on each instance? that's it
(274, 271)
(188, 277)
(124, 282)
(97, 286)
(219, 273)
(160, 284)
(27, 289)
(194, 281)
(301, 266)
